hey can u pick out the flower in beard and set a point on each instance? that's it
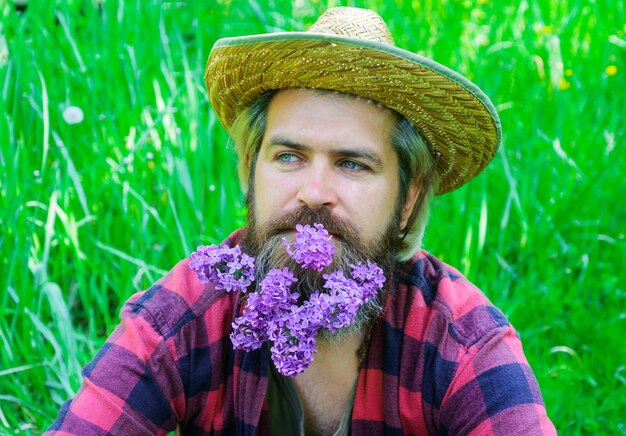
(370, 278)
(246, 335)
(228, 268)
(294, 340)
(273, 313)
(312, 248)
(275, 295)
(321, 310)
(263, 309)
(345, 297)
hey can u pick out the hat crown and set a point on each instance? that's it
(354, 23)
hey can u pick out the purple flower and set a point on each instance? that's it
(264, 310)
(275, 293)
(228, 268)
(272, 312)
(292, 356)
(320, 308)
(294, 343)
(312, 248)
(370, 277)
(345, 297)
(246, 335)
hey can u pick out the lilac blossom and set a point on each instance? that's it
(275, 295)
(320, 309)
(291, 357)
(312, 248)
(228, 268)
(370, 278)
(294, 344)
(346, 298)
(263, 308)
(272, 313)
(245, 335)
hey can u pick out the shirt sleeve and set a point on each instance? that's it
(130, 387)
(494, 391)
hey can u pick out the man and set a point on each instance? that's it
(333, 126)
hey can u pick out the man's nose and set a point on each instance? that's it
(317, 188)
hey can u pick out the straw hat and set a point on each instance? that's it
(351, 50)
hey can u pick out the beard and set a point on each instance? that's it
(264, 242)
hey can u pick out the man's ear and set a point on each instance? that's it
(244, 169)
(413, 192)
(248, 162)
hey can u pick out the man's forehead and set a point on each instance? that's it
(302, 117)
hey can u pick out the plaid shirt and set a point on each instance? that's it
(441, 360)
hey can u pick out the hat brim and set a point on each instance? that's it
(453, 115)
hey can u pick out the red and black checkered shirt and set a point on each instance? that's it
(441, 360)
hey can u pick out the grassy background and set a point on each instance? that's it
(94, 211)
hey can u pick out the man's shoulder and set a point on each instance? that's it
(179, 298)
(442, 293)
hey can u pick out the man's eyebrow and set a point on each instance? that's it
(280, 141)
(373, 158)
(356, 153)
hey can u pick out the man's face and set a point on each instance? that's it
(332, 152)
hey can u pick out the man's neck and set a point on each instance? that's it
(324, 387)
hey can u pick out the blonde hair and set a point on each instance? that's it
(415, 161)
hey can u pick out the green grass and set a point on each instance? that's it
(93, 212)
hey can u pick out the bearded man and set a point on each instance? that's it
(334, 126)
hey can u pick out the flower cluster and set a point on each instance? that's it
(228, 268)
(312, 248)
(272, 312)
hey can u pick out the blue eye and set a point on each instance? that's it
(352, 165)
(287, 158)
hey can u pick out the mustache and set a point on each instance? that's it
(336, 226)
